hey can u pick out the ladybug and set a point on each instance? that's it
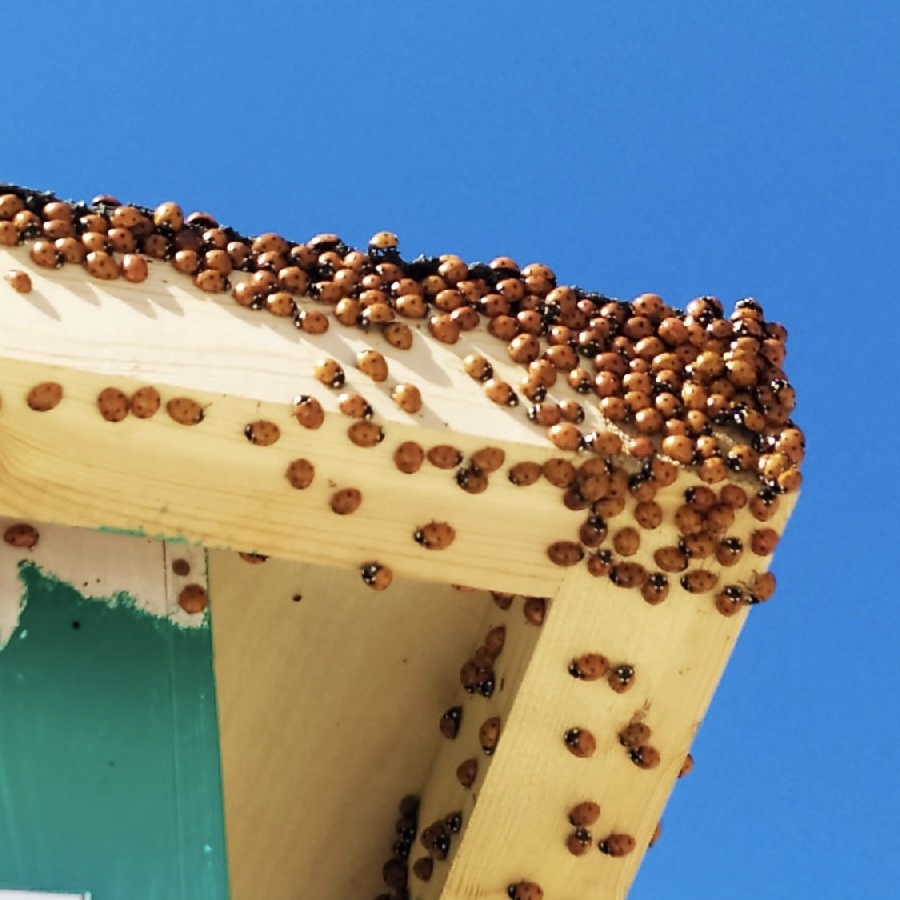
(309, 321)
(376, 575)
(762, 587)
(113, 404)
(729, 551)
(435, 535)
(423, 867)
(133, 268)
(308, 411)
(686, 766)
(627, 574)
(70, 250)
(679, 448)
(22, 535)
(580, 742)
(444, 456)
(193, 599)
(407, 397)
(44, 396)
(524, 474)
(300, 474)
(524, 349)
(571, 411)
(373, 364)
(579, 841)
(524, 890)
(467, 772)
(365, 434)
(698, 546)
(472, 480)
(600, 563)
(616, 845)
(488, 459)
(185, 411)
(44, 254)
(626, 541)
(495, 640)
(436, 839)
(355, 406)
(657, 831)
(565, 436)
(593, 531)
(648, 514)
(398, 335)
(262, 432)
(453, 821)
(535, 610)
(565, 553)
(168, 217)
(699, 581)
(656, 588)
(763, 541)
(489, 735)
(145, 402)
(345, 501)
(383, 246)
(589, 667)
(451, 721)
(620, 678)
(634, 734)
(763, 505)
(253, 558)
(584, 814)
(442, 327)
(500, 392)
(503, 601)
(393, 873)
(644, 756)
(102, 265)
(730, 600)
(330, 373)
(733, 495)
(408, 457)
(559, 472)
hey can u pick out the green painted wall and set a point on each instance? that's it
(109, 756)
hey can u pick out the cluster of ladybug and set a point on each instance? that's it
(435, 838)
(671, 380)
(690, 388)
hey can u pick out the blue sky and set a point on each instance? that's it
(685, 148)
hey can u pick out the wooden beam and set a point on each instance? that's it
(514, 817)
(329, 700)
(207, 483)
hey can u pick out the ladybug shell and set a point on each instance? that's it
(22, 535)
(408, 457)
(345, 501)
(192, 598)
(443, 456)
(185, 411)
(308, 411)
(262, 432)
(145, 402)
(44, 396)
(435, 535)
(565, 553)
(524, 474)
(300, 474)
(113, 404)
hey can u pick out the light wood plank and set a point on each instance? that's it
(329, 710)
(515, 822)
